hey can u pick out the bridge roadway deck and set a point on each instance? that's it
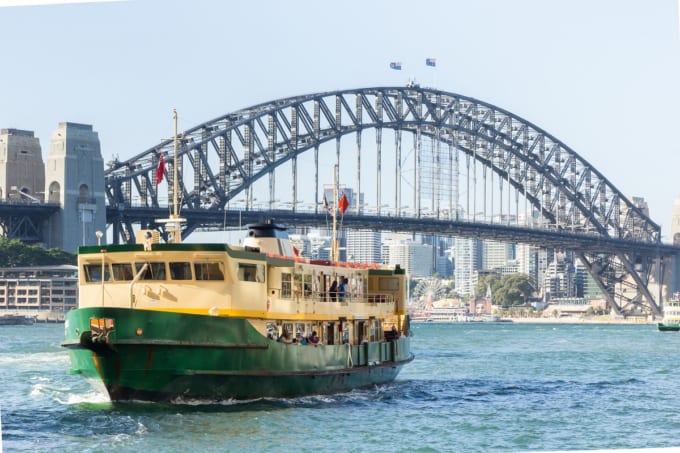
(27, 208)
(560, 239)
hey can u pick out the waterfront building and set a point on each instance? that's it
(45, 291)
(567, 307)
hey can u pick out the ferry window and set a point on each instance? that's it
(251, 272)
(122, 271)
(288, 327)
(389, 284)
(93, 272)
(208, 271)
(299, 330)
(154, 271)
(272, 331)
(286, 287)
(180, 271)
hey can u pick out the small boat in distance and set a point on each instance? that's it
(176, 321)
(15, 319)
(671, 315)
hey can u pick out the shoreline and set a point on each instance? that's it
(565, 320)
(594, 320)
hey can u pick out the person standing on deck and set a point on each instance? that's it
(342, 288)
(334, 291)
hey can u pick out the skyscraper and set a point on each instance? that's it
(468, 259)
(363, 246)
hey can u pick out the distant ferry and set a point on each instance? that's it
(671, 316)
(14, 319)
(442, 314)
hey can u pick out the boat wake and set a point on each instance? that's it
(356, 397)
(35, 359)
(68, 396)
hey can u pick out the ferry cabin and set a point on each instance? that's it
(275, 293)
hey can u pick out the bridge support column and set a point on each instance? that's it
(74, 178)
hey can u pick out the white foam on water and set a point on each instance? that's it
(69, 398)
(207, 402)
(141, 429)
(51, 358)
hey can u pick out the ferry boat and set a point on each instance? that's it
(443, 314)
(176, 321)
(671, 315)
(15, 319)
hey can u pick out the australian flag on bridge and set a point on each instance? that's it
(396, 65)
(431, 62)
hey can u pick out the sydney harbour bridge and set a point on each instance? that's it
(417, 160)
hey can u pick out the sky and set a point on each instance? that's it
(600, 75)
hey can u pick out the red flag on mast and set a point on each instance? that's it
(343, 204)
(160, 171)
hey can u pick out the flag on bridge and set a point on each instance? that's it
(396, 65)
(160, 171)
(431, 61)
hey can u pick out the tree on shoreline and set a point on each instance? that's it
(14, 253)
(509, 290)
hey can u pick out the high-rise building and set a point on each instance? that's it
(415, 258)
(363, 246)
(497, 254)
(468, 259)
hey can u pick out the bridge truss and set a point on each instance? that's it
(468, 161)
(25, 221)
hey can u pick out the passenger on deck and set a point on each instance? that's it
(394, 332)
(303, 339)
(334, 291)
(342, 288)
(285, 337)
(314, 338)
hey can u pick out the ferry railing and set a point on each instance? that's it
(325, 296)
(380, 298)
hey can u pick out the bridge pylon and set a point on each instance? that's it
(74, 178)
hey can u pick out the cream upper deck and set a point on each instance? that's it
(228, 281)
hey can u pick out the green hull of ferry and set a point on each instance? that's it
(164, 356)
(668, 326)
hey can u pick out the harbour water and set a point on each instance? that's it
(473, 387)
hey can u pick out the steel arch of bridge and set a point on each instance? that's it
(227, 155)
